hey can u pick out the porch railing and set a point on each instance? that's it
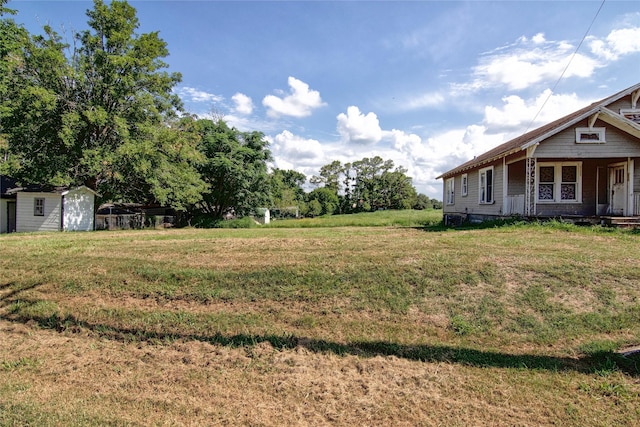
(515, 205)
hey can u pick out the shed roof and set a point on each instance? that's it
(7, 183)
(37, 188)
(536, 136)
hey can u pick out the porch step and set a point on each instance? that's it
(622, 221)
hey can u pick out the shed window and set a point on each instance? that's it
(38, 206)
(486, 185)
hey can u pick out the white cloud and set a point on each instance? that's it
(243, 103)
(618, 43)
(306, 155)
(194, 95)
(444, 151)
(432, 99)
(290, 146)
(359, 128)
(299, 103)
(538, 38)
(531, 61)
(425, 159)
(516, 114)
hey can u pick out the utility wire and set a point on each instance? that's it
(553, 89)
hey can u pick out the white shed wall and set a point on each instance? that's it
(78, 210)
(27, 221)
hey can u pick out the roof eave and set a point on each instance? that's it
(480, 163)
(596, 107)
(83, 187)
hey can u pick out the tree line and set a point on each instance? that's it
(98, 109)
(365, 185)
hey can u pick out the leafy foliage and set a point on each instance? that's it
(367, 185)
(235, 168)
(322, 201)
(286, 189)
(13, 39)
(101, 113)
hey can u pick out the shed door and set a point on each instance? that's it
(618, 180)
(11, 217)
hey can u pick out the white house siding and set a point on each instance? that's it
(563, 145)
(470, 204)
(78, 210)
(623, 103)
(27, 221)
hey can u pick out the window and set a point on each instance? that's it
(559, 182)
(449, 189)
(38, 206)
(618, 176)
(465, 185)
(486, 185)
(590, 136)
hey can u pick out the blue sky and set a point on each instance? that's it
(426, 84)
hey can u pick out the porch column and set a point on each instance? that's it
(530, 187)
(505, 187)
(631, 172)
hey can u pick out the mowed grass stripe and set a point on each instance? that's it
(535, 284)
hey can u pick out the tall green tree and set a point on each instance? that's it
(13, 40)
(286, 188)
(329, 176)
(368, 185)
(423, 202)
(397, 190)
(235, 168)
(324, 198)
(102, 113)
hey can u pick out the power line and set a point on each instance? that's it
(553, 89)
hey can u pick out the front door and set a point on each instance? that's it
(618, 186)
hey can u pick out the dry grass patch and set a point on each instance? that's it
(381, 326)
(197, 383)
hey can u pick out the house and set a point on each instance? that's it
(46, 208)
(584, 166)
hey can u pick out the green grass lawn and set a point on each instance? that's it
(511, 325)
(405, 218)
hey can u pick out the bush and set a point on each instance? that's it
(246, 222)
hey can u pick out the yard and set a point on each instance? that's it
(513, 325)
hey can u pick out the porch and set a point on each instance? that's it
(569, 188)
